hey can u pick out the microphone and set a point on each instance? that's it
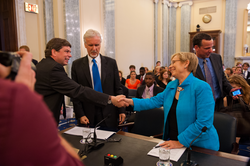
(188, 162)
(96, 145)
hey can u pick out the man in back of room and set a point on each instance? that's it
(149, 89)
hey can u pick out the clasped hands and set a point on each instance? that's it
(121, 101)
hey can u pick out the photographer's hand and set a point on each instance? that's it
(25, 74)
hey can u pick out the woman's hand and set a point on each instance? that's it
(171, 144)
(129, 101)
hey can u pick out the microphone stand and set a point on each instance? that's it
(189, 162)
(97, 145)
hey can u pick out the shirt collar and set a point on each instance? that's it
(150, 88)
(98, 59)
(201, 60)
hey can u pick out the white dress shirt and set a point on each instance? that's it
(98, 62)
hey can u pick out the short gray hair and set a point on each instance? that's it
(193, 60)
(91, 33)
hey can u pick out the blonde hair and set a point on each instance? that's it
(191, 57)
(241, 82)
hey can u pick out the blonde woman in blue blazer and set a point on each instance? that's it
(188, 106)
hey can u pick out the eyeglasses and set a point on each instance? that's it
(173, 61)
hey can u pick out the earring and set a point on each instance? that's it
(185, 67)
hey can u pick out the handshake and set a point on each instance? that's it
(121, 101)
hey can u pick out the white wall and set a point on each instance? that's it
(134, 27)
(134, 34)
(35, 30)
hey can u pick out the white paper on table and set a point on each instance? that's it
(175, 154)
(101, 134)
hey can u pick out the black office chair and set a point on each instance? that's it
(148, 122)
(226, 128)
(132, 93)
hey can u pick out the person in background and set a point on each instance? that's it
(228, 72)
(245, 71)
(164, 78)
(233, 68)
(166, 68)
(238, 64)
(158, 63)
(142, 75)
(157, 72)
(238, 71)
(34, 139)
(238, 81)
(187, 96)
(132, 68)
(122, 80)
(26, 48)
(149, 89)
(132, 82)
(146, 69)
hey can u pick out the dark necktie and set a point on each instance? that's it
(96, 77)
(208, 76)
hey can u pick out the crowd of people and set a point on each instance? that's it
(193, 86)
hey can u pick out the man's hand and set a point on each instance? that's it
(115, 101)
(128, 101)
(236, 96)
(25, 74)
(84, 120)
(122, 117)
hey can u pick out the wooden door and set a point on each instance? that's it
(8, 29)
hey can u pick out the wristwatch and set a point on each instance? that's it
(109, 101)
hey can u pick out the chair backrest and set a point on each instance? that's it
(149, 122)
(226, 128)
(132, 93)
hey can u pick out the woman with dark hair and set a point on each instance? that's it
(132, 82)
(164, 78)
(122, 80)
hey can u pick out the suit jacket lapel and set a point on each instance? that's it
(199, 73)
(85, 68)
(104, 68)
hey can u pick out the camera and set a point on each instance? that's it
(12, 59)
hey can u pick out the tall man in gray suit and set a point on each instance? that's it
(100, 73)
(210, 68)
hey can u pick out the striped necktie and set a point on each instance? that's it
(96, 77)
(208, 76)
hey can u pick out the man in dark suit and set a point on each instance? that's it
(142, 75)
(245, 72)
(149, 89)
(212, 63)
(82, 73)
(53, 83)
